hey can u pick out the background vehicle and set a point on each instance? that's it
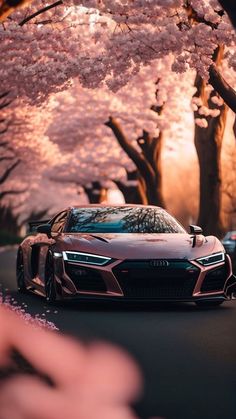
(127, 252)
(229, 243)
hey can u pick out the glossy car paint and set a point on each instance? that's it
(229, 243)
(120, 247)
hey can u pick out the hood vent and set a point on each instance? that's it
(99, 238)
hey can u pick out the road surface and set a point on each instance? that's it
(187, 355)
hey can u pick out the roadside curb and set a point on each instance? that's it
(9, 247)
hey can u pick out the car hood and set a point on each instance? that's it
(139, 246)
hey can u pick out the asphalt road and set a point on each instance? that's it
(187, 354)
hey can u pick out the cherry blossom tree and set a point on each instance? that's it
(83, 151)
(81, 130)
(109, 42)
(147, 162)
(9, 161)
(210, 116)
(25, 153)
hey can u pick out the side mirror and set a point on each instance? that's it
(45, 229)
(195, 229)
(34, 224)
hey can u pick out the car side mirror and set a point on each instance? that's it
(195, 229)
(45, 229)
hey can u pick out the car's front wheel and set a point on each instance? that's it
(213, 303)
(20, 274)
(50, 291)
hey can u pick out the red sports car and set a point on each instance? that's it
(126, 252)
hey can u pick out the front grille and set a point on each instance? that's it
(85, 279)
(142, 279)
(215, 280)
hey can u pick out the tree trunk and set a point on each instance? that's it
(148, 161)
(151, 149)
(8, 221)
(96, 193)
(132, 190)
(208, 143)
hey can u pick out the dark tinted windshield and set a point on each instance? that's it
(122, 220)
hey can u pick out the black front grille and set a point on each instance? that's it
(85, 279)
(215, 280)
(142, 279)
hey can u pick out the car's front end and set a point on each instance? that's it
(158, 268)
(124, 253)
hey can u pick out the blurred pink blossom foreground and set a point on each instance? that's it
(37, 320)
(94, 381)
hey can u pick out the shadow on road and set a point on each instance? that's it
(122, 306)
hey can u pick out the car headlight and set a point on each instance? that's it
(85, 258)
(212, 259)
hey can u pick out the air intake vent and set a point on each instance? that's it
(154, 279)
(215, 280)
(85, 279)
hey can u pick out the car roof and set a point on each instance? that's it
(112, 206)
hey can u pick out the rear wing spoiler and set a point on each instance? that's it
(34, 224)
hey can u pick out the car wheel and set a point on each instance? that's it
(214, 303)
(20, 274)
(50, 291)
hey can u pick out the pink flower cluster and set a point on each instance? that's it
(97, 380)
(10, 304)
(107, 41)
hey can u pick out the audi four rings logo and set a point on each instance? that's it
(159, 263)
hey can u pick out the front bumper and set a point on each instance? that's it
(142, 280)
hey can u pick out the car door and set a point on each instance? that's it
(40, 249)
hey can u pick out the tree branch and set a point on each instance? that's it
(5, 158)
(3, 143)
(229, 7)
(39, 12)
(3, 95)
(3, 131)
(12, 192)
(7, 173)
(133, 154)
(5, 104)
(221, 86)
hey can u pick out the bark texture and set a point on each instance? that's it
(134, 192)
(96, 193)
(147, 160)
(221, 86)
(208, 143)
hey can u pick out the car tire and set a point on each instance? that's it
(50, 290)
(20, 274)
(215, 303)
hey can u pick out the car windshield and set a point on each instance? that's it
(122, 220)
